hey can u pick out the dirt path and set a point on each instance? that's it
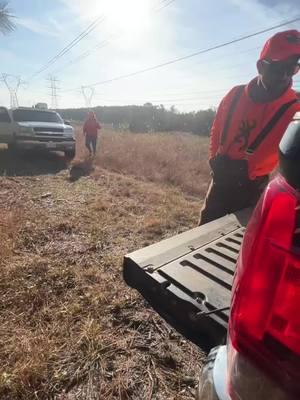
(69, 326)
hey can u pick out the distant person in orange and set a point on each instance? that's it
(247, 129)
(90, 131)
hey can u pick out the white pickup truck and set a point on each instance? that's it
(32, 128)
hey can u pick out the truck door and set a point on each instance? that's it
(6, 126)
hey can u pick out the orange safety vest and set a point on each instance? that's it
(243, 129)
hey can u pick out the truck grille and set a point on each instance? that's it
(47, 138)
(52, 138)
(43, 129)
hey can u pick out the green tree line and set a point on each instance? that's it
(147, 118)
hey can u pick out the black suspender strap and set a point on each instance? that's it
(235, 100)
(270, 125)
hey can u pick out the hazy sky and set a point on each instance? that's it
(134, 35)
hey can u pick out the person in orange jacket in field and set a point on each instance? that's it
(90, 131)
(247, 129)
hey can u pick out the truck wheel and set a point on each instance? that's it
(70, 153)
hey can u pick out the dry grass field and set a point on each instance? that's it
(173, 159)
(69, 326)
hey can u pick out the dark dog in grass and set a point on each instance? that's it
(79, 168)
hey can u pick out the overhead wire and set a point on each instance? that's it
(73, 43)
(201, 95)
(151, 100)
(84, 55)
(203, 51)
(106, 42)
(216, 64)
(168, 2)
(163, 4)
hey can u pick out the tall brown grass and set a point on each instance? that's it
(177, 159)
(9, 223)
(70, 329)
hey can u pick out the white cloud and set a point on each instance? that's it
(268, 10)
(58, 26)
(271, 3)
(38, 27)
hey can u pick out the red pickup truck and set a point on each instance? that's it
(237, 278)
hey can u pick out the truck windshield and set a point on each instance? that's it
(36, 116)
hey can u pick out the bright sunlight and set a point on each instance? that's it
(128, 17)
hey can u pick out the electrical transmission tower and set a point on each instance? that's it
(54, 89)
(88, 93)
(13, 84)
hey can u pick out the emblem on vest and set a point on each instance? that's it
(245, 128)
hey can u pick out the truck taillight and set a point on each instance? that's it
(264, 324)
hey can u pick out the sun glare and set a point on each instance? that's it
(127, 16)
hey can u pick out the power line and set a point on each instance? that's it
(216, 68)
(213, 94)
(168, 2)
(234, 54)
(54, 96)
(175, 60)
(161, 101)
(198, 93)
(219, 68)
(73, 43)
(84, 55)
(157, 100)
(163, 3)
(12, 87)
(216, 91)
(88, 94)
